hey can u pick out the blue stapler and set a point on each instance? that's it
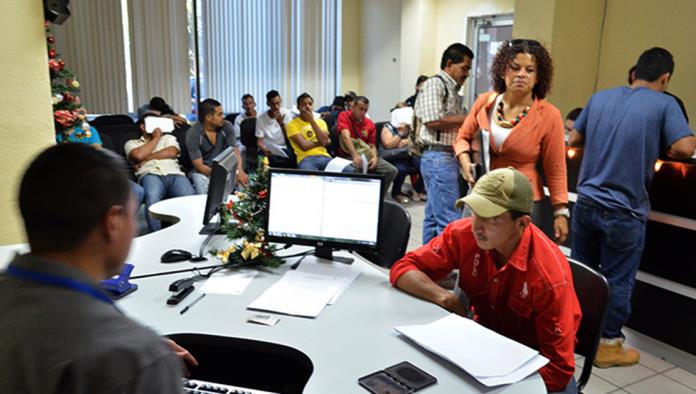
(118, 286)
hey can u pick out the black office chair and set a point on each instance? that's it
(248, 138)
(393, 235)
(593, 294)
(246, 362)
(119, 135)
(378, 140)
(111, 120)
(184, 159)
(107, 143)
(232, 116)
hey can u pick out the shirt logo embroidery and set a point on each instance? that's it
(310, 134)
(364, 133)
(477, 261)
(525, 291)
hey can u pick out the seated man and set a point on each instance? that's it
(354, 125)
(309, 137)
(158, 104)
(518, 281)
(249, 107)
(154, 157)
(270, 129)
(59, 332)
(569, 122)
(206, 139)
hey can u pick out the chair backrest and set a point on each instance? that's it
(119, 135)
(231, 117)
(111, 120)
(184, 159)
(248, 133)
(593, 294)
(393, 235)
(378, 140)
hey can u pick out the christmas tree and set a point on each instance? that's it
(68, 114)
(244, 219)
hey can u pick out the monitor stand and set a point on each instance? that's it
(211, 228)
(326, 252)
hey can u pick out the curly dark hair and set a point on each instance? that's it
(508, 51)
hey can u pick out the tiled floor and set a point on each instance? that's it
(662, 370)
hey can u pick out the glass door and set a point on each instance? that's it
(487, 34)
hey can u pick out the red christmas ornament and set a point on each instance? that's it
(54, 65)
(46, 23)
(52, 53)
(51, 39)
(64, 117)
(263, 193)
(68, 97)
(61, 63)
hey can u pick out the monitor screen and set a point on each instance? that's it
(222, 177)
(325, 209)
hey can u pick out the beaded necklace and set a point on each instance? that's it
(508, 124)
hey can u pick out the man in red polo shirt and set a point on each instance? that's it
(354, 125)
(518, 282)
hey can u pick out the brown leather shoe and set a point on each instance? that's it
(612, 354)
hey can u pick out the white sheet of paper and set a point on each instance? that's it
(515, 376)
(164, 124)
(337, 164)
(276, 150)
(401, 115)
(481, 352)
(365, 163)
(486, 142)
(337, 270)
(299, 294)
(230, 282)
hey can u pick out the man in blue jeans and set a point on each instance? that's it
(440, 110)
(154, 157)
(623, 131)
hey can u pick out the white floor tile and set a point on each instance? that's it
(597, 385)
(658, 384)
(623, 376)
(682, 376)
(655, 363)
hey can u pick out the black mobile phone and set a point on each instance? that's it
(401, 378)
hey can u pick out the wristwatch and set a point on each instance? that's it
(562, 212)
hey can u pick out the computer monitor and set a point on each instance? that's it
(324, 209)
(222, 178)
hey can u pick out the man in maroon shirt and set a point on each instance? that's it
(354, 124)
(518, 282)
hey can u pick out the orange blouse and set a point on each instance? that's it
(539, 136)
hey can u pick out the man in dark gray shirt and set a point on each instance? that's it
(59, 332)
(211, 135)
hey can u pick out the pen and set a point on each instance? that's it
(187, 307)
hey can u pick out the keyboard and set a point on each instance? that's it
(193, 386)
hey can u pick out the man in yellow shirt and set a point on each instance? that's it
(309, 137)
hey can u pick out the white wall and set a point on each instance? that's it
(381, 56)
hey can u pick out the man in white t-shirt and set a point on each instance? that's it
(249, 107)
(271, 134)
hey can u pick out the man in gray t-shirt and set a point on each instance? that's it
(59, 332)
(211, 135)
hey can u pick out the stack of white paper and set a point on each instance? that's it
(339, 271)
(486, 355)
(303, 292)
(229, 282)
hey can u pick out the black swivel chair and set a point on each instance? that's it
(393, 235)
(593, 294)
(111, 120)
(232, 116)
(248, 138)
(184, 159)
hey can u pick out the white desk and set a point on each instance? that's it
(350, 339)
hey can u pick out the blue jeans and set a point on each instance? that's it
(440, 172)
(571, 388)
(159, 187)
(318, 163)
(200, 182)
(405, 167)
(610, 241)
(138, 193)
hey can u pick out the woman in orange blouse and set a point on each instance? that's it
(524, 128)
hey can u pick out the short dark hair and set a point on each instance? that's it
(84, 183)
(361, 99)
(158, 104)
(509, 50)
(516, 214)
(421, 79)
(456, 53)
(246, 96)
(339, 101)
(303, 96)
(207, 107)
(654, 63)
(573, 115)
(350, 96)
(631, 75)
(271, 95)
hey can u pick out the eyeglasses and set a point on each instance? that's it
(531, 43)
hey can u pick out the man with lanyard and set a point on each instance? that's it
(439, 108)
(623, 131)
(59, 332)
(354, 125)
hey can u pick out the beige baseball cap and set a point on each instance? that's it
(501, 190)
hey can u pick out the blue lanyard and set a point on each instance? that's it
(58, 281)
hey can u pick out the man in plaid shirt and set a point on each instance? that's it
(440, 110)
